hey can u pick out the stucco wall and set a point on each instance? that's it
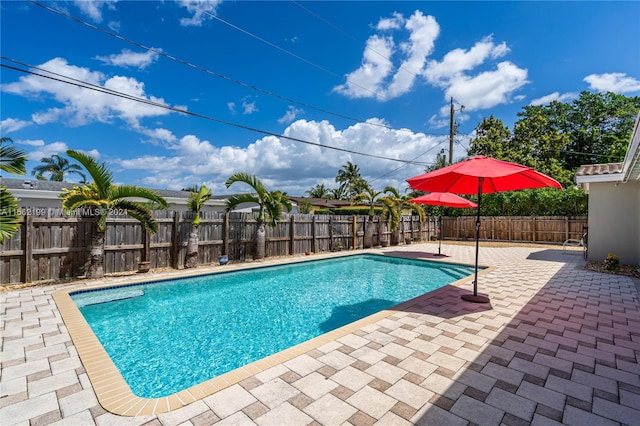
(614, 221)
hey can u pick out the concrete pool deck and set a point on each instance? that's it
(557, 345)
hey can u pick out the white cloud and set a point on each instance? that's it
(232, 108)
(199, 10)
(555, 96)
(377, 77)
(83, 106)
(129, 58)
(489, 88)
(93, 8)
(295, 166)
(615, 82)
(393, 23)
(249, 106)
(291, 114)
(367, 81)
(459, 60)
(31, 142)
(10, 125)
(391, 66)
(45, 150)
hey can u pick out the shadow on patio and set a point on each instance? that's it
(563, 348)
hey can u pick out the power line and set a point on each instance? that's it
(90, 86)
(282, 49)
(352, 37)
(213, 73)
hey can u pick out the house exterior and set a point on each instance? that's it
(45, 194)
(614, 205)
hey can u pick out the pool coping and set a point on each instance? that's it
(115, 395)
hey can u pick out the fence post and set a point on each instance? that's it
(331, 233)
(493, 228)
(175, 239)
(292, 234)
(146, 245)
(225, 234)
(566, 228)
(355, 233)
(28, 248)
(534, 229)
(314, 242)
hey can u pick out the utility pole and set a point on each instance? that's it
(451, 132)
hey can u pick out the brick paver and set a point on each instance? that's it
(557, 345)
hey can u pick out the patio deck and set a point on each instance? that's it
(557, 345)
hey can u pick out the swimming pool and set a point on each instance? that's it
(165, 336)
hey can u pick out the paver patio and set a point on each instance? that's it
(557, 345)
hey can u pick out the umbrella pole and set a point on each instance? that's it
(440, 235)
(475, 297)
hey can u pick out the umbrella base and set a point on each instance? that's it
(475, 298)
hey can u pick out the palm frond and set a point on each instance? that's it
(101, 176)
(235, 200)
(139, 212)
(197, 198)
(131, 191)
(250, 180)
(79, 196)
(12, 160)
(8, 214)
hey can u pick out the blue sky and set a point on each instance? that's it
(365, 77)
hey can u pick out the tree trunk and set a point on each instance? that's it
(395, 237)
(96, 268)
(191, 260)
(260, 241)
(368, 233)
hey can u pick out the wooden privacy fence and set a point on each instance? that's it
(50, 247)
(535, 229)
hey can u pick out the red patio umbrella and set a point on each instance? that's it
(446, 199)
(481, 175)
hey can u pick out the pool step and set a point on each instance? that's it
(95, 298)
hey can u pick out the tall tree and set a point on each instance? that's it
(271, 205)
(394, 205)
(197, 198)
(56, 167)
(318, 191)
(368, 196)
(441, 161)
(102, 197)
(492, 139)
(350, 179)
(12, 160)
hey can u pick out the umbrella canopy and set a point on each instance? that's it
(497, 176)
(481, 175)
(446, 199)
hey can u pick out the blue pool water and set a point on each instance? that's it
(166, 336)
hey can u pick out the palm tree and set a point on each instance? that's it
(338, 193)
(393, 206)
(369, 196)
(350, 179)
(12, 161)
(197, 198)
(318, 191)
(102, 197)
(56, 166)
(270, 204)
